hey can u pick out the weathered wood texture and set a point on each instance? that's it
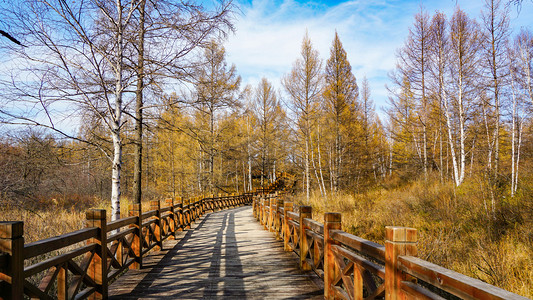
(225, 255)
(354, 268)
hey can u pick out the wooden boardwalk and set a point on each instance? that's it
(227, 255)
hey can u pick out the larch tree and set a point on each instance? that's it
(172, 31)
(304, 86)
(216, 87)
(370, 132)
(340, 95)
(265, 107)
(413, 65)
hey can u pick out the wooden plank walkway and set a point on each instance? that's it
(227, 255)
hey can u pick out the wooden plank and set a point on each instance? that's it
(57, 260)
(121, 223)
(413, 290)
(121, 234)
(314, 225)
(149, 214)
(293, 215)
(227, 254)
(366, 247)
(58, 242)
(454, 283)
(361, 261)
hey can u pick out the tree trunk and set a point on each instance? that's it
(117, 120)
(137, 169)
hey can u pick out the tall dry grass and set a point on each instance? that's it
(455, 230)
(46, 218)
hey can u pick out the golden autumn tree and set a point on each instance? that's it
(304, 86)
(270, 118)
(216, 87)
(340, 104)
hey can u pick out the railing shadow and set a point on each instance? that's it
(203, 264)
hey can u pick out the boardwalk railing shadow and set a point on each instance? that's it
(82, 263)
(227, 256)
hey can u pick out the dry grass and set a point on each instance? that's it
(455, 230)
(53, 217)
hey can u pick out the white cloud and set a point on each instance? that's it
(269, 35)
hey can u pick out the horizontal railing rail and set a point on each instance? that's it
(81, 264)
(354, 268)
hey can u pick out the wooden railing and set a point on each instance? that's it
(96, 255)
(354, 268)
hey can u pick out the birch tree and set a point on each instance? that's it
(173, 32)
(464, 48)
(413, 65)
(73, 63)
(496, 32)
(521, 68)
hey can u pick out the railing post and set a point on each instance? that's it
(332, 221)
(305, 212)
(271, 212)
(260, 202)
(254, 208)
(278, 223)
(172, 220)
(399, 241)
(136, 244)
(156, 205)
(287, 207)
(98, 267)
(179, 213)
(266, 202)
(12, 244)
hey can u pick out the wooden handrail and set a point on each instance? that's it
(104, 255)
(54, 243)
(452, 282)
(111, 226)
(350, 263)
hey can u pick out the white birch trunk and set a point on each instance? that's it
(117, 120)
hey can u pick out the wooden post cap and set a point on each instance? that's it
(287, 204)
(400, 234)
(96, 214)
(332, 217)
(11, 229)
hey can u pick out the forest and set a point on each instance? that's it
(109, 103)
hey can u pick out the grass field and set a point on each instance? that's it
(454, 228)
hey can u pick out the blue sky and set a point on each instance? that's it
(269, 34)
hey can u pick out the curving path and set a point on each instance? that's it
(227, 255)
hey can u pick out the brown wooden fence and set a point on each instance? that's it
(97, 254)
(354, 268)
